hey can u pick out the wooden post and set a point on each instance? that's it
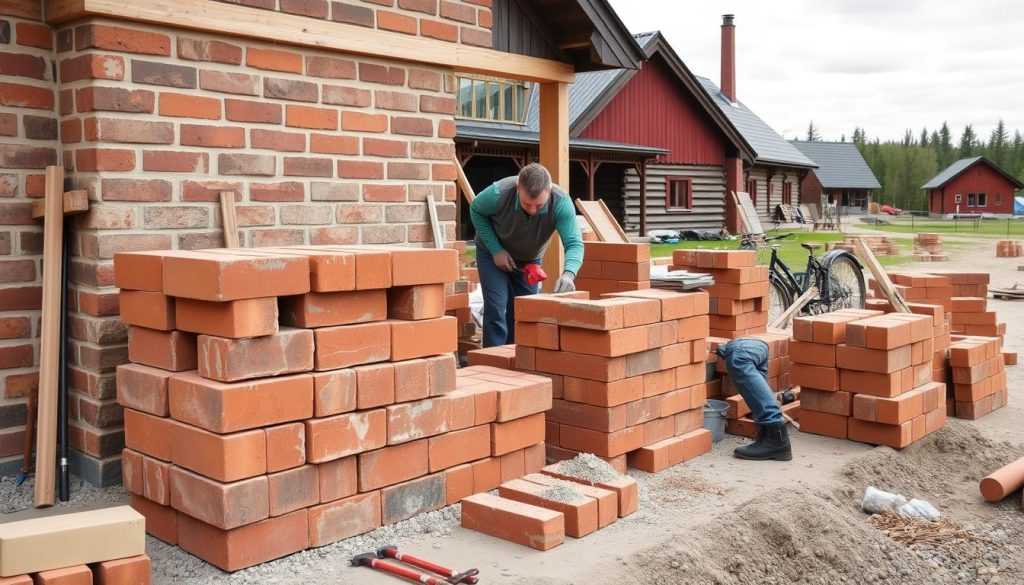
(554, 155)
(642, 168)
(49, 337)
(229, 218)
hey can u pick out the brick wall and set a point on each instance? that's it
(457, 21)
(320, 147)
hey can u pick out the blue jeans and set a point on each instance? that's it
(500, 290)
(746, 360)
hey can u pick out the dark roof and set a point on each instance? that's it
(956, 169)
(767, 144)
(515, 134)
(840, 165)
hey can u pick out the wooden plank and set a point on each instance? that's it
(881, 276)
(611, 218)
(554, 155)
(601, 221)
(463, 182)
(783, 320)
(74, 202)
(282, 28)
(49, 337)
(435, 224)
(748, 213)
(229, 218)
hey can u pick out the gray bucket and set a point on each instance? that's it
(714, 418)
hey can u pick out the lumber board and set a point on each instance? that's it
(435, 224)
(601, 221)
(747, 212)
(463, 182)
(58, 541)
(290, 29)
(801, 301)
(74, 202)
(881, 276)
(229, 218)
(554, 155)
(49, 337)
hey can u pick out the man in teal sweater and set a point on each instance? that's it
(514, 219)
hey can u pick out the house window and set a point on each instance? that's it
(752, 190)
(787, 193)
(981, 200)
(679, 193)
(972, 200)
(957, 198)
(492, 99)
(999, 199)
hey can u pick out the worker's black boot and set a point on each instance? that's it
(772, 443)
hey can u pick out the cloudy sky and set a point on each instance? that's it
(883, 65)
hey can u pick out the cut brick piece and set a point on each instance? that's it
(329, 270)
(825, 401)
(351, 345)
(333, 308)
(499, 356)
(147, 309)
(657, 456)
(222, 277)
(377, 469)
(76, 575)
(457, 447)
(581, 513)
(607, 501)
(344, 518)
(624, 487)
(337, 479)
(288, 351)
(417, 339)
(890, 411)
(522, 396)
(174, 351)
(419, 496)
(129, 571)
(334, 392)
(286, 446)
(143, 388)
(517, 522)
(247, 546)
(458, 483)
(375, 385)
(224, 506)
(517, 434)
(414, 303)
(293, 489)
(542, 335)
(339, 436)
(486, 474)
(225, 408)
(148, 434)
(222, 457)
(232, 319)
(140, 270)
(412, 380)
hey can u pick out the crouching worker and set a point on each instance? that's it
(746, 360)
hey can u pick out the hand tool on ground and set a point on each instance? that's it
(370, 560)
(392, 552)
(534, 274)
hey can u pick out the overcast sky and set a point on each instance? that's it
(883, 65)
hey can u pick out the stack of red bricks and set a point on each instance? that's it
(130, 571)
(738, 420)
(1009, 249)
(970, 316)
(739, 297)
(867, 378)
(610, 267)
(941, 338)
(979, 377)
(966, 284)
(933, 289)
(628, 372)
(280, 399)
(456, 300)
(928, 248)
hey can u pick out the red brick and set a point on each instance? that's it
(225, 82)
(542, 335)
(229, 360)
(212, 277)
(274, 60)
(293, 489)
(309, 117)
(895, 436)
(290, 89)
(231, 319)
(334, 308)
(248, 545)
(143, 388)
(344, 518)
(454, 448)
(147, 309)
(376, 468)
(417, 302)
(872, 360)
(517, 522)
(375, 385)
(458, 483)
(130, 571)
(337, 479)
(405, 500)
(322, 143)
(121, 39)
(132, 477)
(415, 339)
(161, 521)
(212, 136)
(347, 96)
(148, 434)
(92, 66)
(813, 354)
(224, 506)
(351, 345)
(225, 408)
(201, 50)
(412, 379)
(334, 392)
(339, 436)
(581, 514)
(156, 486)
(286, 446)
(104, 159)
(584, 366)
(77, 575)
(890, 411)
(26, 96)
(189, 106)
(517, 434)
(251, 111)
(820, 423)
(169, 350)
(442, 371)
(360, 122)
(318, 66)
(417, 420)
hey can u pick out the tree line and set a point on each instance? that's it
(902, 166)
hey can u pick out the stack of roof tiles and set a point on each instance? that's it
(979, 377)
(739, 297)
(867, 378)
(280, 399)
(1009, 249)
(630, 368)
(610, 267)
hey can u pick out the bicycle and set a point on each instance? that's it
(838, 276)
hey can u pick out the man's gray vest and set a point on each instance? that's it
(523, 236)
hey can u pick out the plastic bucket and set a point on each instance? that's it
(714, 418)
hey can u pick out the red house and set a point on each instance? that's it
(972, 185)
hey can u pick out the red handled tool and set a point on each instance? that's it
(534, 274)
(377, 561)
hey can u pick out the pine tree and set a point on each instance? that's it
(968, 142)
(998, 144)
(924, 137)
(842, 138)
(908, 138)
(812, 133)
(945, 146)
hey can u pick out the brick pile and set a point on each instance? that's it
(941, 339)
(928, 248)
(934, 289)
(970, 316)
(867, 378)
(1009, 249)
(979, 377)
(739, 298)
(280, 399)
(738, 420)
(966, 284)
(456, 300)
(610, 267)
(880, 245)
(130, 571)
(628, 373)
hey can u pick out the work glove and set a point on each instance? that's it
(565, 283)
(504, 261)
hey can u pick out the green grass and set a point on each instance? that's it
(790, 251)
(988, 228)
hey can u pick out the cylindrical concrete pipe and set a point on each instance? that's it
(1003, 481)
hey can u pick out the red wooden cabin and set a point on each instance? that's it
(972, 185)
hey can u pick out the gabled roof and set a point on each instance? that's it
(840, 165)
(959, 167)
(769, 147)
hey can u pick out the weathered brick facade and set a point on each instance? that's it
(155, 122)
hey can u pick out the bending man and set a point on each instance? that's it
(747, 363)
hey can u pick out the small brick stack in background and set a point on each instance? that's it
(738, 420)
(880, 245)
(979, 383)
(739, 297)
(871, 377)
(611, 267)
(928, 248)
(629, 369)
(1009, 249)
(456, 300)
(288, 398)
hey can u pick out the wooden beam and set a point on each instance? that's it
(229, 219)
(278, 27)
(554, 155)
(435, 224)
(463, 182)
(74, 202)
(782, 322)
(49, 337)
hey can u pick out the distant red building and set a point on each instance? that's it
(972, 185)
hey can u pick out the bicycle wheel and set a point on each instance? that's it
(779, 299)
(846, 288)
